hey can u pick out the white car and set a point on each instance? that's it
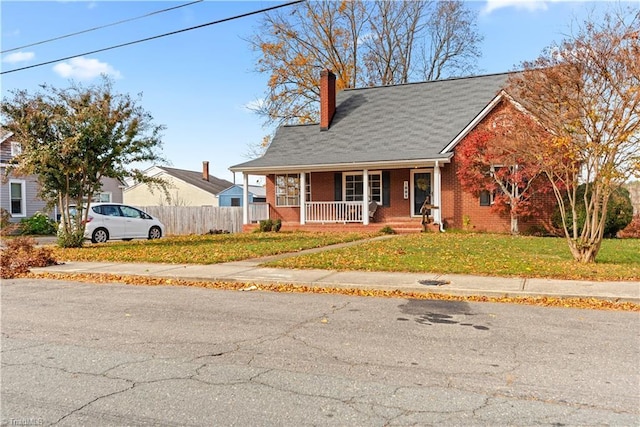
(112, 221)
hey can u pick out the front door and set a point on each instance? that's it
(421, 183)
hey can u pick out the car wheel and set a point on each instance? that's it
(100, 235)
(155, 233)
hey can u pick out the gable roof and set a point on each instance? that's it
(402, 123)
(213, 186)
(256, 190)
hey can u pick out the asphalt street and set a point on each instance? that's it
(111, 354)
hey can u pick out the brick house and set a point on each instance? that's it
(398, 142)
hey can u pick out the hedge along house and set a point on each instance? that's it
(378, 153)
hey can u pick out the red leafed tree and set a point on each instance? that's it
(489, 161)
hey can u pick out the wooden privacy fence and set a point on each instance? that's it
(181, 220)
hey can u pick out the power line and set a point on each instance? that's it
(244, 15)
(99, 27)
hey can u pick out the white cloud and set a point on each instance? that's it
(255, 105)
(85, 69)
(13, 58)
(528, 5)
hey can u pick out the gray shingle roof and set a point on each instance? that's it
(384, 124)
(213, 186)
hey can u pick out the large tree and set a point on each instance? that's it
(585, 95)
(363, 43)
(73, 137)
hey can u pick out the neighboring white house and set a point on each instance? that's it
(185, 188)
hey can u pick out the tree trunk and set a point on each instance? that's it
(514, 224)
(584, 253)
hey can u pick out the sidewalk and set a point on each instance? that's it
(250, 272)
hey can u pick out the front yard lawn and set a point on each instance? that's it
(207, 249)
(452, 253)
(481, 254)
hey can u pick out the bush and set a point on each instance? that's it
(387, 230)
(21, 254)
(74, 239)
(266, 225)
(277, 225)
(631, 231)
(38, 224)
(7, 228)
(619, 212)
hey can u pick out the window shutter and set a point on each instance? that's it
(386, 188)
(337, 185)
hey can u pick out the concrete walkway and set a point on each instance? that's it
(251, 272)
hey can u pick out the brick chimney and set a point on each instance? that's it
(205, 170)
(327, 98)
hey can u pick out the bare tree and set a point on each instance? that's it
(363, 43)
(453, 44)
(295, 46)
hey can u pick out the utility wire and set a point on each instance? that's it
(244, 15)
(99, 27)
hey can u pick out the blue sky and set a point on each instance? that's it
(199, 83)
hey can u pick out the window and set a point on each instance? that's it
(130, 212)
(486, 198)
(101, 197)
(354, 187)
(16, 148)
(17, 190)
(235, 201)
(288, 189)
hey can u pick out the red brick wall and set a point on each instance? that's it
(460, 207)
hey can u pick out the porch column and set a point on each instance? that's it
(245, 199)
(437, 199)
(303, 197)
(365, 197)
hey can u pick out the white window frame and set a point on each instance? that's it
(280, 192)
(23, 198)
(290, 192)
(491, 200)
(16, 148)
(97, 198)
(370, 189)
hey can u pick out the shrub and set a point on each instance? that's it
(5, 216)
(266, 225)
(619, 212)
(75, 239)
(7, 227)
(631, 231)
(38, 224)
(387, 230)
(277, 225)
(20, 254)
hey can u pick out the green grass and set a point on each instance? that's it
(452, 253)
(481, 254)
(208, 249)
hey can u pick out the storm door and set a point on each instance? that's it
(421, 191)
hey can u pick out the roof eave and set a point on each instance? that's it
(389, 164)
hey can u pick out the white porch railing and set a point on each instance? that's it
(258, 212)
(333, 212)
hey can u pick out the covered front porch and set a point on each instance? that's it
(313, 199)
